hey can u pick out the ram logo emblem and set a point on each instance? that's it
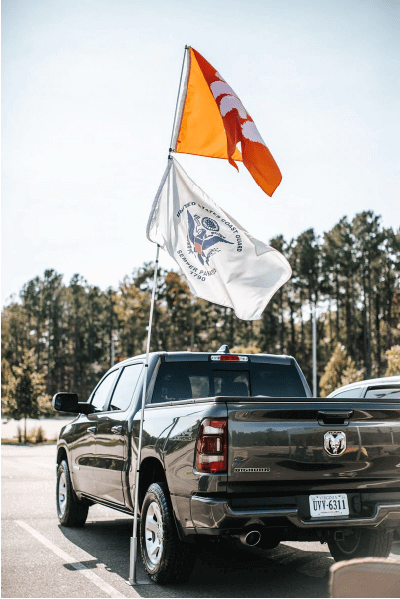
(335, 442)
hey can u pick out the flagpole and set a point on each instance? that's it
(134, 540)
(172, 149)
(314, 347)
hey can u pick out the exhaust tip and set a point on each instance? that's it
(250, 538)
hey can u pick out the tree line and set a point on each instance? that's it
(71, 333)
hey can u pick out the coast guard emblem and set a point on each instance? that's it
(203, 234)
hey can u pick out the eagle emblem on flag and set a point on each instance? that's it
(202, 235)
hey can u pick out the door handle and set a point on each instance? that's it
(91, 430)
(117, 429)
(334, 417)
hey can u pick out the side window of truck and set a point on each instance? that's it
(174, 384)
(125, 387)
(101, 394)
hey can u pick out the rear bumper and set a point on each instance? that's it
(216, 516)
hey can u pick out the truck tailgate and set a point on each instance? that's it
(287, 444)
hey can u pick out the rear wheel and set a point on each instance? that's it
(362, 543)
(71, 511)
(166, 558)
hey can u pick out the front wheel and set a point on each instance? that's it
(362, 543)
(166, 558)
(71, 511)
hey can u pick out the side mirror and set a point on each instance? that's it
(68, 402)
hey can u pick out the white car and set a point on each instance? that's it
(388, 386)
(385, 387)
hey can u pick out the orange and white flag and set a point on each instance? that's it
(213, 122)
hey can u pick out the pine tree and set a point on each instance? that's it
(131, 306)
(393, 361)
(7, 388)
(240, 349)
(28, 398)
(339, 371)
(354, 272)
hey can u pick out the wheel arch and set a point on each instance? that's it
(151, 471)
(62, 454)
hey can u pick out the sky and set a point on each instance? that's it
(88, 97)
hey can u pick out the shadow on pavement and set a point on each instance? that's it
(89, 564)
(223, 569)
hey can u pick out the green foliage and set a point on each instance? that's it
(7, 388)
(241, 349)
(351, 374)
(34, 435)
(28, 398)
(132, 307)
(74, 330)
(393, 361)
(339, 371)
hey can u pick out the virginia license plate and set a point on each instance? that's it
(329, 505)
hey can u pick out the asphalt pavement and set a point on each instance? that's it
(42, 559)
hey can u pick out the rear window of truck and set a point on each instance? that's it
(192, 380)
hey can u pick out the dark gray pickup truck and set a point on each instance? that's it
(233, 445)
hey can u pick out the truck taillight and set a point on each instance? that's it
(211, 452)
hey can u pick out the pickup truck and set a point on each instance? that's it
(232, 446)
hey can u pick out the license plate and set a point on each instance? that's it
(329, 505)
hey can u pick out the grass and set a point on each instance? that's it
(29, 443)
(34, 436)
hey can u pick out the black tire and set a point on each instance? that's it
(70, 511)
(166, 558)
(362, 543)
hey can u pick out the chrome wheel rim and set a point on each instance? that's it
(350, 543)
(153, 534)
(62, 493)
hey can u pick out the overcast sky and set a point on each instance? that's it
(88, 97)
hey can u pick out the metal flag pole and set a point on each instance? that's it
(314, 347)
(134, 540)
(174, 133)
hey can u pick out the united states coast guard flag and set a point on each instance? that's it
(222, 262)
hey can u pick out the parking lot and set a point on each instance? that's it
(42, 559)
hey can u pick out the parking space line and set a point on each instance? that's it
(94, 578)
